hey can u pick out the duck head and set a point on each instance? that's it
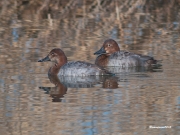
(109, 47)
(58, 58)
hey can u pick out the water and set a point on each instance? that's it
(128, 103)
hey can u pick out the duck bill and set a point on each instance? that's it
(101, 51)
(44, 59)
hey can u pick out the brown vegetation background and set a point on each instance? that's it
(83, 25)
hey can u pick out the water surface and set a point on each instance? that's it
(128, 103)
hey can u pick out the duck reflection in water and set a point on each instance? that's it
(57, 92)
(63, 83)
(130, 70)
(110, 83)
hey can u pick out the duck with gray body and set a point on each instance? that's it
(111, 55)
(77, 68)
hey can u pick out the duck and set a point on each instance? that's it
(61, 67)
(111, 55)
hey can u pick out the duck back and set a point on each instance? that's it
(128, 59)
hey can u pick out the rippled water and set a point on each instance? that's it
(128, 103)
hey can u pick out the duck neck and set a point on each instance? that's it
(102, 60)
(57, 65)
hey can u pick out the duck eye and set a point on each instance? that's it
(109, 45)
(52, 53)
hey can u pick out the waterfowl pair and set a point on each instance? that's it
(109, 55)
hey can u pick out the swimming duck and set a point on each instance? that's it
(75, 68)
(111, 55)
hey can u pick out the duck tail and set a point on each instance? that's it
(155, 63)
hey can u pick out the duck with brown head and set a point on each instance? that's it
(75, 68)
(111, 55)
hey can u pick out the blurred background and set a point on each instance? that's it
(127, 104)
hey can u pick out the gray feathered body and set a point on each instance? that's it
(79, 68)
(128, 59)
